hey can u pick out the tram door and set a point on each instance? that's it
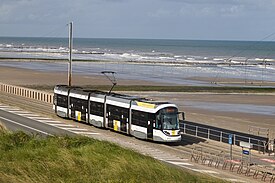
(117, 118)
(124, 119)
(110, 116)
(72, 107)
(150, 129)
(150, 125)
(79, 109)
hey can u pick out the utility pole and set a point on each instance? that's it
(70, 53)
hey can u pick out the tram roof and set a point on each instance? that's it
(127, 97)
(66, 87)
(113, 96)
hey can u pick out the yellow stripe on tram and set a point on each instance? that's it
(79, 116)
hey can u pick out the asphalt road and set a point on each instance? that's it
(16, 122)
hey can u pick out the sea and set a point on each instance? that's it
(160, 60)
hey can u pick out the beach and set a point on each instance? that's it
(176, 62)
(23, 77)
(234, 111)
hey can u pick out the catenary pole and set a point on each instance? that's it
(70, 53)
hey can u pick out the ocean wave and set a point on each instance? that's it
(149, 57)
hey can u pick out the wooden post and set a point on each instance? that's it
(70, 53)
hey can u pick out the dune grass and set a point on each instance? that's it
(31, 159)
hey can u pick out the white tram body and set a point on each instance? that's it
(142, 118)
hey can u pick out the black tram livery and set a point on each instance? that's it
(142, 118)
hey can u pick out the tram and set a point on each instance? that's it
(139, 117)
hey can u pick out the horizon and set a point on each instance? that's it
(168, 39)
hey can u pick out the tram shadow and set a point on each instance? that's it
(187, 140)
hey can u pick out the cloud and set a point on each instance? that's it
(136, 18)
(32, 11)
(160, 13)
(39, 11)
(225, 8)
(14, 11)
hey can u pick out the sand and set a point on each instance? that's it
(18, 76)
(239, 121)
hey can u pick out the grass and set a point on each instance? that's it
(167, 88)
(30, 158)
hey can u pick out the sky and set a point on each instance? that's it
(149, 19)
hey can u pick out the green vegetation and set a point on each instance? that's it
(184, 89)
(167, 88)
(30, 158)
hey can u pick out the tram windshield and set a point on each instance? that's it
(167, 119)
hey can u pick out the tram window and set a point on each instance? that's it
(62, 100)
(158, 122)
(118, 112)
(96, 108)
(78, 103)
(124, 113)
(167, 119)
(140, 118)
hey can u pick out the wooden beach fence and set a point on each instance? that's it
(27, 92)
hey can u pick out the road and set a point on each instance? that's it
(15, 122)
(16, 119)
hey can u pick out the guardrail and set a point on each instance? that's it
(26, 92)
(262, 144)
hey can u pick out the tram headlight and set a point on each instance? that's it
(166, 133)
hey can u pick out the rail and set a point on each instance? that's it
(262, 144)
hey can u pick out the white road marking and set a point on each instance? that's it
(28, 115)
(179, 163)
(4, 107)
(63, 125)
(22, 112)
(40, 118)
(13, 109)
(234, 180)
(87, 133)
(205, 171)
(176, 159)
(26, 126)
(76, 129)
(17, 112)
(50, 121)
(162, 157)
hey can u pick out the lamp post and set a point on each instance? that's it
(70, 53)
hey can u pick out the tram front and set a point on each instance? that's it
(167, 125)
